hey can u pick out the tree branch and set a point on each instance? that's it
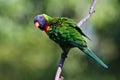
(91, 11)
(57, 77)
(59, 70)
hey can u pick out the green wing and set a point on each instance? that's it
(64, 31)
(74, 25)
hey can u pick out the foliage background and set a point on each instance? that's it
(26, 53)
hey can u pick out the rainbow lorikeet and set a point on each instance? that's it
(66, 33)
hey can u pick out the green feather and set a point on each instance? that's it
(93, 56)
(67, 31)
(89, 53)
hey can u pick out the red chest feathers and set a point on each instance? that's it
(47, 29)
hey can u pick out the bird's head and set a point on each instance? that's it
(40, 21)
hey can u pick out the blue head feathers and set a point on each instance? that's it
(40, 19)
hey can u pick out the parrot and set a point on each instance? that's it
(66, 33)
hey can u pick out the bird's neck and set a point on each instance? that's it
(49, 21)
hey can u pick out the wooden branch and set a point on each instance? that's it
(59, 70)
(91, 11)
(57, 77)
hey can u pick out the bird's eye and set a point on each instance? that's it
(40, 16)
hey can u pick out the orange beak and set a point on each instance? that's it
(36, 24)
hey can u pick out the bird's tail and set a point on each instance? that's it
(93, 56)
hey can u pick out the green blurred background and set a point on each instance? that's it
(26, 53)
